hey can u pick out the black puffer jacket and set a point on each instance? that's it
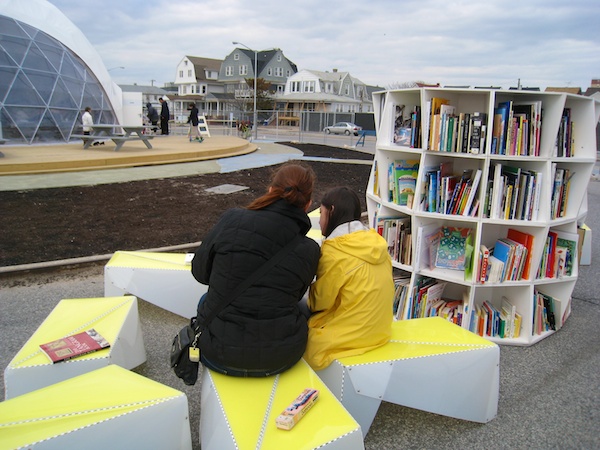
(263, 328)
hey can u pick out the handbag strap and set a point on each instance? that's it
(256, 275)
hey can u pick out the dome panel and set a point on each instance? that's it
(15, 47)
(7, 75)
(48, 130)
(22, 92)
(62, 98)
(66, 119)
(43, 81)
(75, 88)
(27, 119)
(35, 59)
(52, 53)
(5, 59)
(10, 28)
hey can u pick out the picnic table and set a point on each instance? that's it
(112, 132)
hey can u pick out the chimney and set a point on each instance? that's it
(334, 70)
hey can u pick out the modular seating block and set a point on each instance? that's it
(108, 408)
(163, 279)
(429, 364)
(115, 318)
(239, 413)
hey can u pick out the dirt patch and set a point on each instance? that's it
(55, 224)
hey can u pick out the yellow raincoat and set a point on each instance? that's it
(352, 297)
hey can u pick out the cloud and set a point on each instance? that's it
(541, 42)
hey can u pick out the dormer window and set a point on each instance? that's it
(236, 57)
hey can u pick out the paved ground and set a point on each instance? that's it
(549, 393)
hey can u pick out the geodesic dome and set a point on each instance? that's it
(45, 85)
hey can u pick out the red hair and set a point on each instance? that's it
(292, 182)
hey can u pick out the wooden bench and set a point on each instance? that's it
(115, 318)
(163, 279)
(239, 413)
(108, 408)
(429, 364)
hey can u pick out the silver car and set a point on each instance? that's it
(346, 128)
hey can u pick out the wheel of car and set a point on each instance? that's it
(347, 132)
(327, 130)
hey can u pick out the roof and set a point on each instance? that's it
(263, 57)
(317, 97)
(568, 90)
(202, 64)
(144, 89)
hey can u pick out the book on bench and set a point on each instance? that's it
(74, 345)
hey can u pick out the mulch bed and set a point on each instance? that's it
(55, 224)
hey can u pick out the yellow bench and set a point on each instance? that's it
(163, 279)
(115, 318)
(108, 408)
(429, 364)
(239, 413)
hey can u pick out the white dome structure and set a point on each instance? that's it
(49, 72)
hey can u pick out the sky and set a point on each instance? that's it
(385, 43)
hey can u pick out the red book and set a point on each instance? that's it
(526, 240)
(74, 345)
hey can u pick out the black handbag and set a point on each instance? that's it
(185, 350)
(185, 353)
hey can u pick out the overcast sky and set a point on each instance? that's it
(382, 42)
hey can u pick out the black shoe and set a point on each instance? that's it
(96, 143)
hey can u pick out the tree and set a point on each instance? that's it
(264, 97)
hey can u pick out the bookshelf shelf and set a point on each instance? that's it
(508, 168)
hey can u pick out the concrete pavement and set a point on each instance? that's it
(549, 392)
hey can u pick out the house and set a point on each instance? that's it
(197, 81)
(239, 65)
(329, 92)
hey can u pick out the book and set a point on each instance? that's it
(451, 253)
(472, 192)
(526, 240)
(74, 345)
(405, 181)
(484, 256)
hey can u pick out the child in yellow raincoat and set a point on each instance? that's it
(351, 299)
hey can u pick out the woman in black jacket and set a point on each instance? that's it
(193, 121)
(262, 332)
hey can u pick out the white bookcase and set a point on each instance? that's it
(486, 229)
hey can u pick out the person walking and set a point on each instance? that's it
(193, 121)
(164, 116)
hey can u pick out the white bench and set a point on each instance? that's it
(163, 279)
(108, 408)
(115, 318)
(239, 413)
(429, 364)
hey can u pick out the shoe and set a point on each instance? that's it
(96, 143)
(101, 143)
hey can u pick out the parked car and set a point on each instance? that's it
(343, 128)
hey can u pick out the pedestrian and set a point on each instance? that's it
(164, 116)
(262, 331)
(152, 116)
(87, 122)
(351, 298)
(193, 121)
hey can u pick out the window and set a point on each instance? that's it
(184, 90)
(280, 88)
(309, 86)
(295, 86)
(204, 89)
(181, 74)
(244, 70)
(279, 58)
(236, 57)
(289, 73)
(189, 73)
(278, 71)
(185, 62)
(347, 90)
(229, 71)
(270, 71)
(329, 87)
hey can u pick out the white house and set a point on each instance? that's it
(312, 90)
